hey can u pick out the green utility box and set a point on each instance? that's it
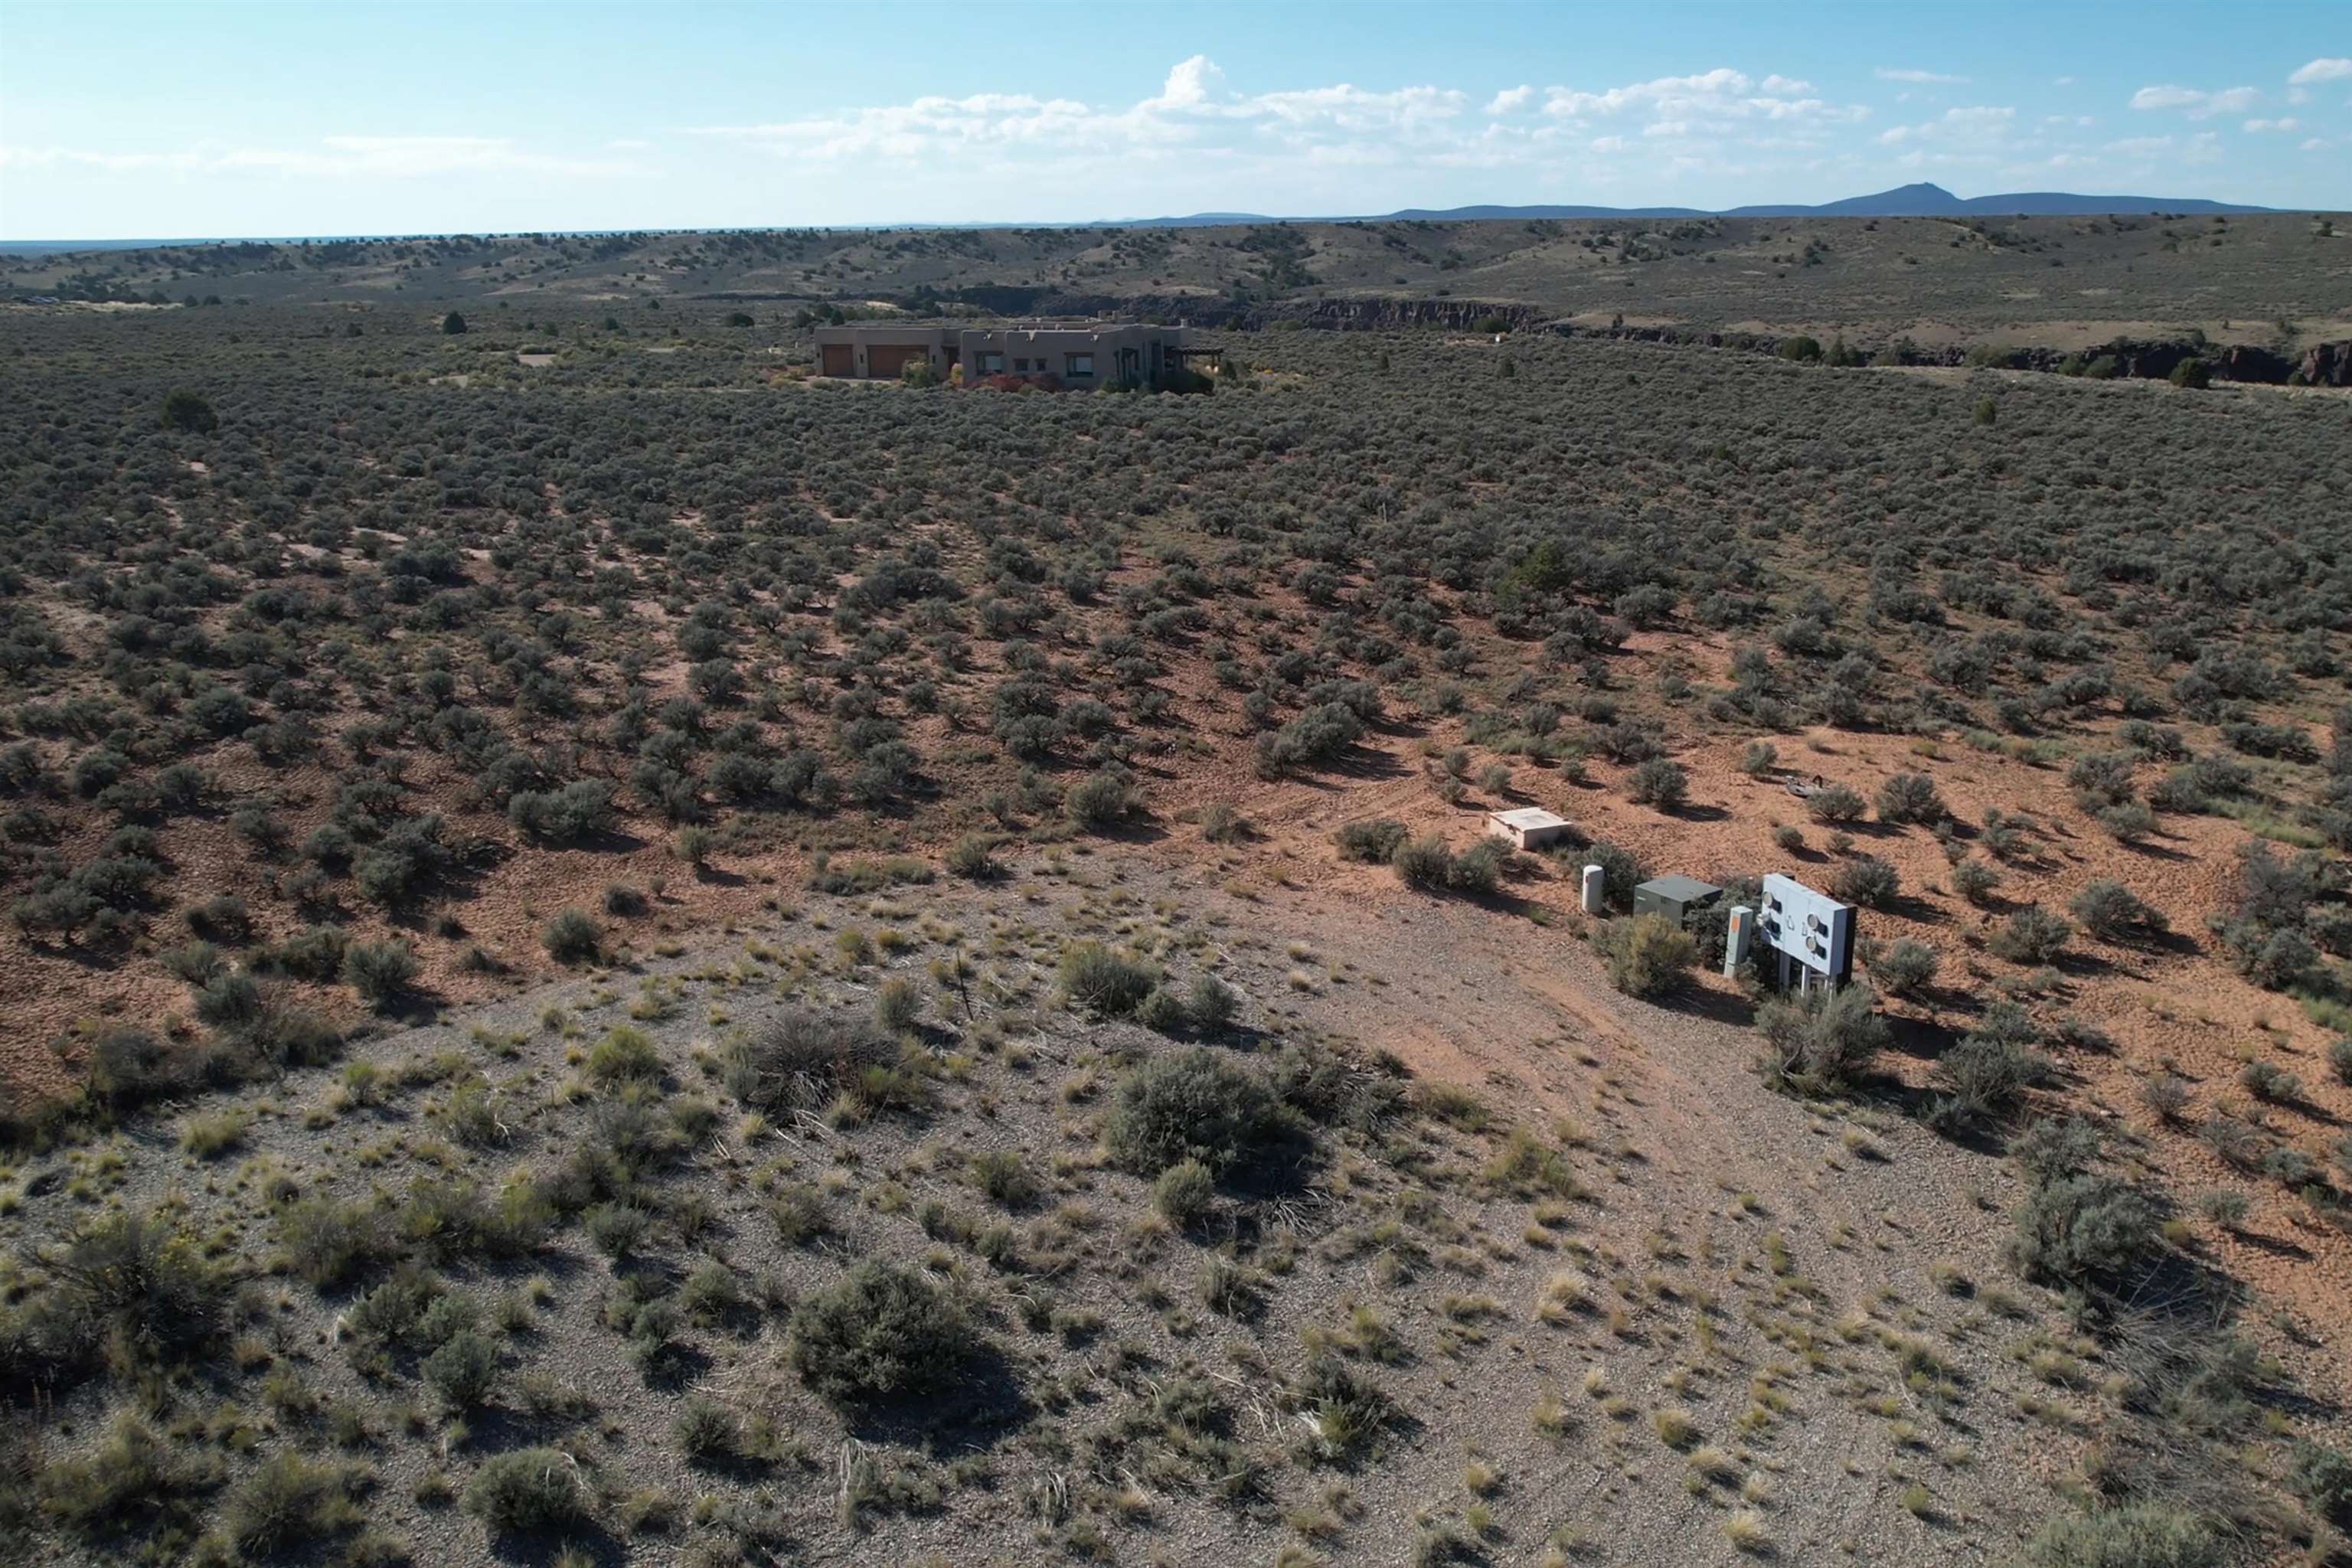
(1676, 898)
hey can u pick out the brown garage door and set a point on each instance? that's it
(884, 361)
(840, 359)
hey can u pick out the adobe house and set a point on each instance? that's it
(1077, 355)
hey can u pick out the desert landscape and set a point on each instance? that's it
(621, 950)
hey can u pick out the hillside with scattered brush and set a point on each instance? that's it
(619, 951)
(2274, 280)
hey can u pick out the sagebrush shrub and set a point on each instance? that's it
(2109, 910)
(800, 1058)
(2034, 935)
(1197, 1104)
(1184, 1193)
(880, 1331)
(1648, 955)
(1101, 980)
(572, 937)
(382, 971)
(1820, 1042)
(529, 1490)
(1905, 969)
(1867, 880)
(2081, 1227)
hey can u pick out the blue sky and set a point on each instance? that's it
(123, 120)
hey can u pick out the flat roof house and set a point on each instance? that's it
(1080, 354)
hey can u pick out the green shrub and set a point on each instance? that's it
(1374, 842)
(1221, 823)
(1347, 1410)
(1819, 1042)
(291, 1503)
(1195, 1104)
(973, 858)
(187, 412)
(133, 1485)
(1868, 881)
(381, 972)
(1003, 1175)
(897, 1006)
(2339, 1059)
(1098, 800)
(880, 1331)
(1905, 969)
(2322, 1477)
(529, 1491)
(330, 1242)
(1647, 956)
(2134, 1535)
(465, 1371)
(800, 1212)
(1974, 880)
(625, 1054)
(572, 937)
(1184, 1193)
(1984, 1077)
(229, 1000)
(2034, 935)
(207, 1135)
(1162, 1010)
(132, 1287)
(1622, 872)
(1659, 783)
(1424, 863)
(616, 1229)
(1104, 983)
(2269, 1081)
(801, 1058)
(2082, 1227)
(707, 1433)
(1837, 803)
(2111, 911)
(1211, 1006)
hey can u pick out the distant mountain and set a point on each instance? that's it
(1922, 200)
(1925, 200)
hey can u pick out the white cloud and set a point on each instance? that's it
(1888, 73)
(1979, 126)
(2259, 126)
(2196, 102)
(2139, 146)
(1510, 100)
(1718, 97)
(1189, 84)
(2329, 70)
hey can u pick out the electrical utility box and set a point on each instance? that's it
(1676, 898)
(1812, 932)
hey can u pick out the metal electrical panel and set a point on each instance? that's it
(1812, 928)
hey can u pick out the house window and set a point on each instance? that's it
(1021, 366)
(1080, 364)
(991, 363)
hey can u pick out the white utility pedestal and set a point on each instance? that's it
(1594, 878)
(1737, 935)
